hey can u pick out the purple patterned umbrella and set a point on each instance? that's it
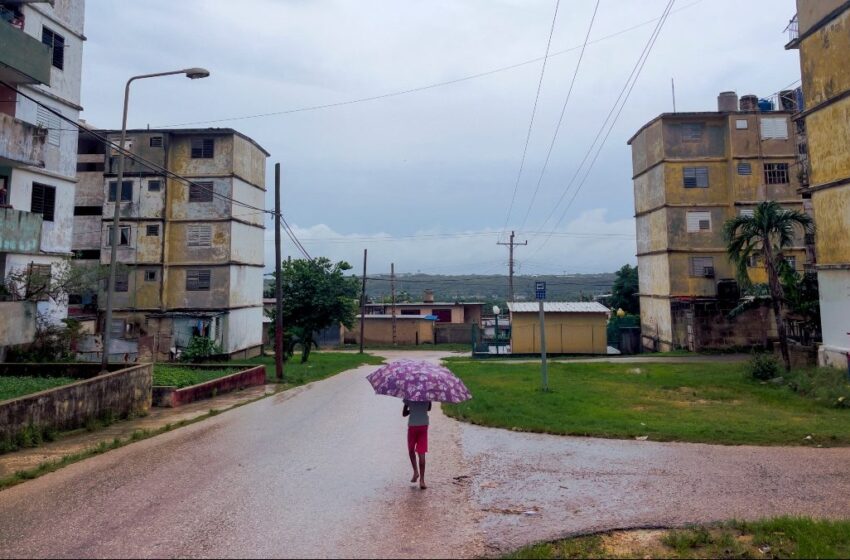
(416, 380)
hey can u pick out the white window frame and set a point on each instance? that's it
(120, 236)
(696, 220)
(199, 235)
(774, 128)
(742, 124)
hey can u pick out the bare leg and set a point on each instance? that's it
(422, 471)
(413, 464)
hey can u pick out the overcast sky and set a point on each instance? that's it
(425, 179)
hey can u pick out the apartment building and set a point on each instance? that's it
(41, 50)
(693, 172)
(191, 257)
(821, 31)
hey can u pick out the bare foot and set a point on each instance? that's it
(422, 484)
(415, 477)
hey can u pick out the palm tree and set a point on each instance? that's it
(766, 233)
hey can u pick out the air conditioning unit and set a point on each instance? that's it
(708, 272)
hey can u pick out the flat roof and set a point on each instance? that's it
(703, 115)
(212, 131)
(557, 307)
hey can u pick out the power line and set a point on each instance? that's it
(533, 113)
(425, 87)
(634, 74)
(561, 118)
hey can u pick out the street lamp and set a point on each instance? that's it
(192, 74)
(496, 312)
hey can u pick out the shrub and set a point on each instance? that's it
(199, 349)
(763, 367)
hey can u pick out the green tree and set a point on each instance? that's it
(766, 233)
(625, 290)
(316, 295)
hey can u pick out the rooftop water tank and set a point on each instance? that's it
(765, 105)
(749, 103)
(727, 102)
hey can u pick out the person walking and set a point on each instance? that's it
(417, 436)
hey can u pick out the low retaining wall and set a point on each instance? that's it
(118, 393)
(453, 333)
(172, 396)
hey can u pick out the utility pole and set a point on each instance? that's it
(511, 246)
(540, 296)
(392, 287)
(278, 319)
(363, 303)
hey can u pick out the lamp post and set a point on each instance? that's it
(496, 312)
(193, 74)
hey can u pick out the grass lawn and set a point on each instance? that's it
(697, 402)
(184, 376)
(11, 387)
(320, 366)
(782, 537)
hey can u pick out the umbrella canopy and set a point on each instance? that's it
(417, 380)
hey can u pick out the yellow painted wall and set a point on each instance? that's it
(683, 284)
(654, 277)
(809, 12)
(652, 231)
(832, 212)
(823, 60)
(380, 331)
(656, 320)
(829, 141)
(249, 162)
(718, 184)
(566, 333)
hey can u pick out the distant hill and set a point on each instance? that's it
(491, 289)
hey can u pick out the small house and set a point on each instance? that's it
(572, 327)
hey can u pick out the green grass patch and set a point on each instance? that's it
(781, 537)
(320, 366)
(12, 387)
(696, 402)
(182, 376)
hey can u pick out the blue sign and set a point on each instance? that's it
(540, 290)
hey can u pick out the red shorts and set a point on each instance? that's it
(417, 439)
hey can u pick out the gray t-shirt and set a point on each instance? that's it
(418, 413)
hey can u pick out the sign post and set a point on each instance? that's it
(540, 294)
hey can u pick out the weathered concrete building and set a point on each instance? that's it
(41, 48)
(693, 172)
(193, 258)
(821, 31)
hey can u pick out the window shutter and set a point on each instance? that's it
(747, 212)
(156, 142)
(744, 168)
(774, 128)
(201, 191)
(199, 236)
(198, 280)
(699, 221)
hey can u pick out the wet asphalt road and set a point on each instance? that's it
(323, 472)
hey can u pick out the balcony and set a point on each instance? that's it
(20, 232)
(23, 59)
(21, 143)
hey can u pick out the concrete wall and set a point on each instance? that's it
(835, 315)
(449, 333)
(566, 333)
(810, 12)
(123, 392)
(172, 397)
(656, 324)
(246, 286)
(20, 142)
(18, 323)
(65, 17)
(19, 231)
(379, 331)
(243, 329)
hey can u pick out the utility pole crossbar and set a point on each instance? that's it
(511, 246)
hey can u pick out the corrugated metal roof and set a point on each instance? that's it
(557, 307)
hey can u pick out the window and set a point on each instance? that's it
(117, 330)
(156, 141)
(45, 119)
(43, 201)
(154, 186)
(150, 275)
(87, 254)
(201, 191)
(4, 191)
(90, 167)
(38, 280)
(692, 132)
(754, 261)
(57, 43)
(742, 124)
(699, 221)
(775, 173)
(774, 128)
(702, 266)
(744, 168)
(695, 177)
(124, 237)
(792, 262)
(202, 148)
(88, 210)
(126, 190)
(199, 236)
(152, 230)
(122, 281)
(198, 280)
(748, 212)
